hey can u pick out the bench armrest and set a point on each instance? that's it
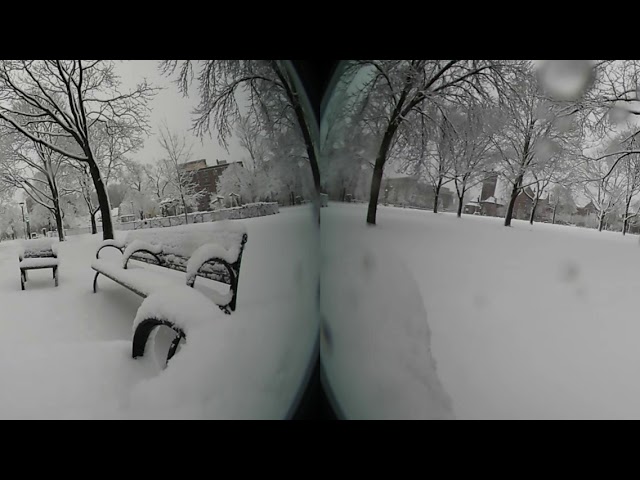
(138, 246)
(109, 243)
(213, 254)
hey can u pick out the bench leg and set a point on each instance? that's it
(95, 282)
(55, 275)
(22, 279)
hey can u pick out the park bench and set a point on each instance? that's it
(38, 254)
(209, 250)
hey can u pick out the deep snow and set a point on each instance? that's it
(526, 322)
(66, 352)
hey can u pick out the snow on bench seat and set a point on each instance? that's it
(141, 280)
(36, 254)
(39, 262)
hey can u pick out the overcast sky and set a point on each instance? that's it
(170, 105)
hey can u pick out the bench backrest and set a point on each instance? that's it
(178, 244)
(39, 248)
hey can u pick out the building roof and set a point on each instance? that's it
(491, 199)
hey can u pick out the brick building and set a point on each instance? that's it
(206, 177)
(523, 205)
(489, 204)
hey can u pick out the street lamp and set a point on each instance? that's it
(25, 220)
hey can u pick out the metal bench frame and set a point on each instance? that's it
(214, 269)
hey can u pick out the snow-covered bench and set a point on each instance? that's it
(38, 254)
(208, 250)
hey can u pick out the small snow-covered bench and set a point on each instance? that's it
(37, 254)
(209, 250)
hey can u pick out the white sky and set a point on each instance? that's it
(170, 105)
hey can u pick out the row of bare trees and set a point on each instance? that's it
(68, 127)
(540, 126)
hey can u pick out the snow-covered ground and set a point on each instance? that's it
(526, 322)
(66, 352)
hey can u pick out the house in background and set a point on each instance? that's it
(588, 209)
(473, 208)
(524, 204)
(491, 207)
(494, 205)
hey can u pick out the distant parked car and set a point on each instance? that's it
(34, 235)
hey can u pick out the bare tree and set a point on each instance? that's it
(252, 140)
(274, 99)
(429, 151)
(37, 170)
(158, 179)
(83, 185)
(604, 186)
(472, 151)
(561, 199)
(530, 139)
(397, 91)
(631, 169)
(554, 169)
(76, 96)
(178, 152)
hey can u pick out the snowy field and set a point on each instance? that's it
(527, 322)
(66, 352)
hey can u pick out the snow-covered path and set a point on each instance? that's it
(66, 352)
(526, 322)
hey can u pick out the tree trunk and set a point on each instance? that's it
(184, 206)
(58, 216)
(553, 219)
(512, 201)
(103, 200)
(291, 89)
(57, 213)
(378, 169)
(601, 223)
(94, 228)
(533, 212)
(460, 200)
(437, 192)
(625, 220)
